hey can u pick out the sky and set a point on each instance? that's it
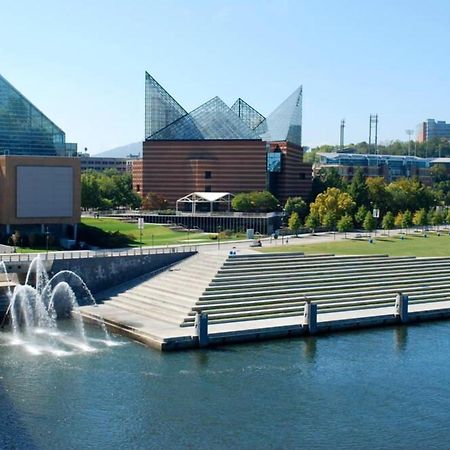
(83, 62)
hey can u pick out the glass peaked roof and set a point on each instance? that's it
(285, 123)
(214, 120)
(166, 120)
(160, 108)
(24, 130)
(248, 114)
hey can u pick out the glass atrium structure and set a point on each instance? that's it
(166, 120)
(24, 130)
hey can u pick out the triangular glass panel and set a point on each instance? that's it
(285, 123)
(24, 130)
(160, 108)
(214, 120)
(247, 113)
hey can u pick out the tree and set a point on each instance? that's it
(439, 173)
(312, 221)
(333, 201)
(438, 218)
(420, 218)
(294, 222)
(296, 204)
(262, 201)
(411, 194)
(447, 217)
(369, 222)
(361, 215)
(378, 194)
(345, 224)
(399, 220)
(388, 222)
(358, 188)
(407, 219)
(330, 220)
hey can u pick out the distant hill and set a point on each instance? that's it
(121, 152)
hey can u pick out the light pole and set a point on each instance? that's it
(218, 237)
(47, 237)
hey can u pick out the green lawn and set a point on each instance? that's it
(411, 245)
(152, 234)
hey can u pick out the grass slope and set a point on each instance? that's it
(411, 245)
(162, 235)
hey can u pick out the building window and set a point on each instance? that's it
(138, 188)
(208, 188)
(208, 174)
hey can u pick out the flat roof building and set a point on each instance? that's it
(39, 191)
(217, 148)
(390, 167)
(432, 129)
(24, 130)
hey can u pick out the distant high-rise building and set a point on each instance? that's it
(24, 130)
(431, 129)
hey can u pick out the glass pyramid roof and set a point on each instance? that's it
(24, 130)
(214, 120)
(248, 114)
(160, 108)
(285, 123)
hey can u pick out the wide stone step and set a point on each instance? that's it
(244, 277)
(334, 290)
(422, 273)
(154, 313)
(230, 264)
(299, 267)
(156, 301)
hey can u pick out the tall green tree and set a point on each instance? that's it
(369, 222)
(361, 215)
(388, 222)
(332, 203)
(312, 221)
(358, 188)
(296, 204)
(345, 224)
(294, 222)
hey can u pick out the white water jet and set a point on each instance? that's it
(33, 310)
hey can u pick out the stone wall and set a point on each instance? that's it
(103, 273)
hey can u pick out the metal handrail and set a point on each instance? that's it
(79, 254)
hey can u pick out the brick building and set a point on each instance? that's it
(216, 148)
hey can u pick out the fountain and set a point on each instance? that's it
(34, 310)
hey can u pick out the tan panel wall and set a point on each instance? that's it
(8, 196)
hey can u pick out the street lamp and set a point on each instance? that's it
(218, 237)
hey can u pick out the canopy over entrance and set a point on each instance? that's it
(195, 198)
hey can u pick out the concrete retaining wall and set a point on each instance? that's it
(103, 273)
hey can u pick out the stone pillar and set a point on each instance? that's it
(201, 328)
(401, 307)
(310, 317)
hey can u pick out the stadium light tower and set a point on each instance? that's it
(409, 133)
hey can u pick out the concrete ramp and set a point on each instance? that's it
(162, 301)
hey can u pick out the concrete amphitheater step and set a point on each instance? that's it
(308, 281)
(244, 277)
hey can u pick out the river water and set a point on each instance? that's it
(383, 388)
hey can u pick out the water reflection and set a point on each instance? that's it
(401, 338)
(310, 348)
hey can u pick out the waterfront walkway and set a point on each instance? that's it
(259, 296)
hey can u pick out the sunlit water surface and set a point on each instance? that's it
(385, 388)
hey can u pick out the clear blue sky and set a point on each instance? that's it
(82, 62)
